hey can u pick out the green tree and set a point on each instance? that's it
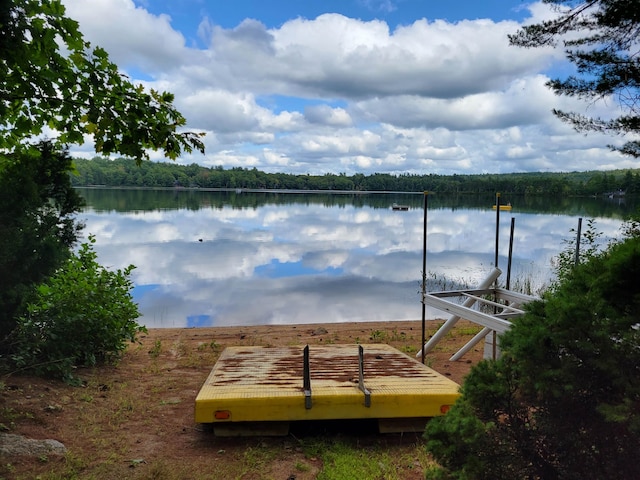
(563, 401)
(82, 315)
(37, 224)
(51, 77)
(602, 39)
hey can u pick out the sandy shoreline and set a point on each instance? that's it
(405, 335)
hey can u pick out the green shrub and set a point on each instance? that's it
(563, 401)
(83, 315)
(38, 226)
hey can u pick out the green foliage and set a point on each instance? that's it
(123, 172)
(456, 440)
(479, 437)
(601, 38)
(37, 224)
(563, 401)
(83, 315)
(631, 227)
(51, 77)
(588, 247)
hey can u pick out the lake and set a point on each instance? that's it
(208, 258)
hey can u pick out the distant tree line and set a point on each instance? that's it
(127, 173)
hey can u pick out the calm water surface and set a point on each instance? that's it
(227, 258)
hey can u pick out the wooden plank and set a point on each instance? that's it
(402, 425)
(251, 429)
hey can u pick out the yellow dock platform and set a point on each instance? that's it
(323, 382)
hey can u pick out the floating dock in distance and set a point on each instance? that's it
(272, 386)
(402, 208)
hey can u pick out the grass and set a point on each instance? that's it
(347, 459)
(378, 336)
(257, 457)
(344, 462)
(190, 356)
(156, 350)
(467, 331)
(302, 466)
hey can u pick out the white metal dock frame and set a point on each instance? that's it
(506, 305)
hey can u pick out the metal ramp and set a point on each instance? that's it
(257, 390)
(473, 305)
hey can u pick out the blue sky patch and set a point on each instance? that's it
(195, 321)
(276, 269)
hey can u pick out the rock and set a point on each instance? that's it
(11, 444)
(53, 408)
(320, 331)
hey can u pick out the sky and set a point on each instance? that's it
(353, 86)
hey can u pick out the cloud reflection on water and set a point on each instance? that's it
(307, 263)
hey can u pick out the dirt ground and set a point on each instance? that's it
(135, 419)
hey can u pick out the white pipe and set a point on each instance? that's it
(470, 344)
(449, 324)
(479, 336)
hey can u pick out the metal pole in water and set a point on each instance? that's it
(513, 224)
(495, 262)
(577, 259)
(424, 269)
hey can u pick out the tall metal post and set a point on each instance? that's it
(495, 262)
(577, 258)
(509, 261)
(424, 269)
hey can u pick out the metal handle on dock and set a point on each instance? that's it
(306, 380)
(367, 393)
